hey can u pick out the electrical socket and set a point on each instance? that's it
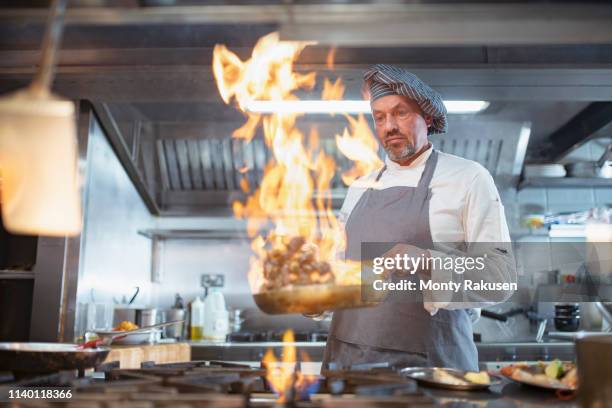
(213, 281)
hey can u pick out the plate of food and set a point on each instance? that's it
(450, 378)
(139, 337)
(552, 375)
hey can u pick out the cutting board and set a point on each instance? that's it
(133, 355)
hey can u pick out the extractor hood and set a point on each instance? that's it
(206, 172)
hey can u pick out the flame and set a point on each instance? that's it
(283, 377)
(330, 59)
(332, 91)
(293, 199)
(359, 145)
(267, 75)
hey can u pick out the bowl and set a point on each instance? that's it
(148, 336)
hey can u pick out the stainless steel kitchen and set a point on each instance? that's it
(305, 203)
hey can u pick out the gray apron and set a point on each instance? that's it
(398, 331)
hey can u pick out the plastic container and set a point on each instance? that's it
(216, 321)
(197, 319)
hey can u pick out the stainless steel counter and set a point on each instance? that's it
(492, 356)
(249, 352)
(506, 395)
(488, 353)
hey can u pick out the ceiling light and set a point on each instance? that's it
(348, 106)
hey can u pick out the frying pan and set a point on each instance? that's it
(315, 298)
(40, 358)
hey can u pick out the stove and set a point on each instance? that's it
(276, 336)
(218, 384)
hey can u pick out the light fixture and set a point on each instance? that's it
(38, 151)
(348, 106)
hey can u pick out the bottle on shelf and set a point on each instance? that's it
(197, 319)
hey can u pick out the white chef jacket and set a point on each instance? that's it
(464, 207)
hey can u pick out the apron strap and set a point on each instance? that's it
(380, 173)
(430, 167)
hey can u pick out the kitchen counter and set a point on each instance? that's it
(131, 356)
(488, 353)
(506, 395)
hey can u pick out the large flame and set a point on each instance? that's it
(294, 196)
(284, 378)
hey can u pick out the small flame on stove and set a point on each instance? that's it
(283, 376)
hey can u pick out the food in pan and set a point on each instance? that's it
(126, 325)
(554, 374)
(294, 262)
(442, 376)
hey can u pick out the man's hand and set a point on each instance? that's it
(412, 253)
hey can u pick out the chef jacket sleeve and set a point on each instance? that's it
(486, 238)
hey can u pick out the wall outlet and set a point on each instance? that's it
(212, 281)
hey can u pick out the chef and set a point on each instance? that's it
(420, 197)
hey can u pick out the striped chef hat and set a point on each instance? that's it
(383, 80)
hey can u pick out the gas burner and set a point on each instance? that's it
(227, 385)
(275, 336)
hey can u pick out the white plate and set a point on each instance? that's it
(544, 170)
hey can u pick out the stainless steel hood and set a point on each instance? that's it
(207, 172)
(202, 174)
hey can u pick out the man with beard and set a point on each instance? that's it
(420, 197)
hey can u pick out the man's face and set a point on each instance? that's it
(401, 126)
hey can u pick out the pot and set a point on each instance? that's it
(141, 316)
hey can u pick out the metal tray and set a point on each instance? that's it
(312, 299)
(425, 375)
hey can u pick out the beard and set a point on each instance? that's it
(405, 153)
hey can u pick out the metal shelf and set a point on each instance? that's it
(15, 274)
(560, 182)
(193, 234)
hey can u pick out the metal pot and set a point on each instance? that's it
(141, 316)
(176, 331)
